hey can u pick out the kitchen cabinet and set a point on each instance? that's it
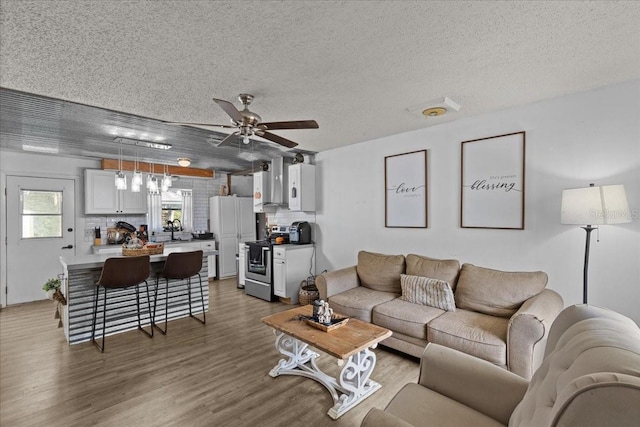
(291, 265)
(302, 187)
(102, 197)
(232, 221)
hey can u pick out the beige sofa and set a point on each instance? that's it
(590, 377)
(502, 317)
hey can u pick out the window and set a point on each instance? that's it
(41, 213)
(177, 205)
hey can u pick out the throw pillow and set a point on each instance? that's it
(425, 291)
(380, 272)
(442, 269)
(495, 292)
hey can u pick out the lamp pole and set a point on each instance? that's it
(585, 273)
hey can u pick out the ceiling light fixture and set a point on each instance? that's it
(136, 180)
(435, 108)
(152, 181)
(432, 112)
(141, 143)
(166, 179)
(184, 162)
(120, 178)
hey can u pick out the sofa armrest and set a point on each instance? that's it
(378, 418)
(476, 383)
(334, 282)
(528, 331)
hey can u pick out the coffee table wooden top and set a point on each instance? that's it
(340, 343)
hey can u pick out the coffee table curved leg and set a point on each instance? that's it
(355, 381)
(298, 354)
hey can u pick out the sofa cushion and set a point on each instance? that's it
(358, 302)
(405, 317)
(425, 291)
(478, 334)
(442, 269)
(495, 292)
(380, 272)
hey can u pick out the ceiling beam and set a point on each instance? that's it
(114, 164)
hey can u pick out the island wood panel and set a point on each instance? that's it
(121, 303)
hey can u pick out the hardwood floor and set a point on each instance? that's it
(213, 375)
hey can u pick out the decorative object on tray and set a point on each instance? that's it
(335, 323)
(323, 317)
(52, 288)
(148, 249)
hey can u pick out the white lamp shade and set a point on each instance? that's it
(595, 206)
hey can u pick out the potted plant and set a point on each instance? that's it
(52, 288)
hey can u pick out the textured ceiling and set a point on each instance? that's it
(354, 66)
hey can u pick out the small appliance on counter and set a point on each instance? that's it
(300, 233)
(279, 234)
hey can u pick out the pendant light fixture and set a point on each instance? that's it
(120, 179)
(136, 181)
(166, 179)
(152, 181)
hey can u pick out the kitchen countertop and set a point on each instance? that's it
(166, 243)
(97, 260)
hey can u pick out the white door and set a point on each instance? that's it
(40, 228)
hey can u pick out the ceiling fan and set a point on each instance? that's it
(249, 123)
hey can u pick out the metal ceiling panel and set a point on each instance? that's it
(33, 123)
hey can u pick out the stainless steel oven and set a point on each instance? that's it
(258, 270)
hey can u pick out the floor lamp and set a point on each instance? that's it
(593, 206)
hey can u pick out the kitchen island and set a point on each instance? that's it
(83, 271)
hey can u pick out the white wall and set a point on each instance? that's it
(570, 142)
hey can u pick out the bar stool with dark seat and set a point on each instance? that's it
(180, 266)
(120, 273)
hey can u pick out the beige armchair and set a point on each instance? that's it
(590, 376)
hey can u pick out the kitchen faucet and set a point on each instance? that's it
(172, 226)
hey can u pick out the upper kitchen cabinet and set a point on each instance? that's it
(102, 197)
(302, 187)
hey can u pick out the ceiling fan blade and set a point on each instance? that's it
(275, 138)
(228, 140)
(299, 124)
(230, 109)
(199, 124)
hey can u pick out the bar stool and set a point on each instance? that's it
(180, 266)
(120, 273)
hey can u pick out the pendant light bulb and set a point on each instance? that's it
(121, 181)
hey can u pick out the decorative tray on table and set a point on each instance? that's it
(336, 322)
